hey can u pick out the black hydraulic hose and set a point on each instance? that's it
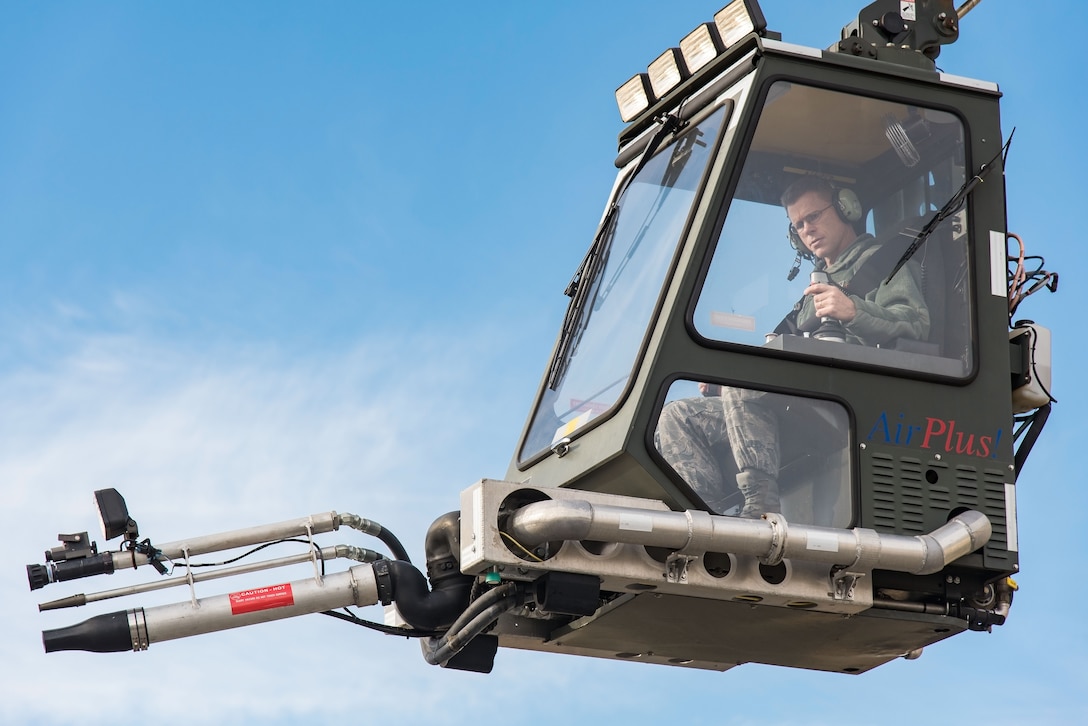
(490, 597)
(393, 544)
(470, 625)
(421, 607)
(374, 529)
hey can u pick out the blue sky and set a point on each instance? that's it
(262, 259)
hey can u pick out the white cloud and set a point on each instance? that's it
(200, 441)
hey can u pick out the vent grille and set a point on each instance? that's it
(898, 494)
(910, 496)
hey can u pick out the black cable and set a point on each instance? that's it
(250, 552)
(1034, 428)
(1038, 379)
(380, 627)
(258, 549)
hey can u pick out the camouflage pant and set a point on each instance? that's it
(708, 440)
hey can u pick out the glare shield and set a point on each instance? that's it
(634, 97)
(666, 72)
(701, 46)
(738, 19)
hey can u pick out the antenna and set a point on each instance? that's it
(966, 8)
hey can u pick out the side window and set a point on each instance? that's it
(745, 452)
(834, 194)
(619, 286)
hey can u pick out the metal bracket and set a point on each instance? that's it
(843, 584)
(676, 567)
(189, 575)
(315, 551)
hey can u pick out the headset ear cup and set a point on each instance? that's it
(847, 205)
(798, 245)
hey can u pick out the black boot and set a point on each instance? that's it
(760, 492)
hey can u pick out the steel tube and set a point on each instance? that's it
(137, 629)
(771, 539)
(326, 554)
(313, 524)
(356, 586)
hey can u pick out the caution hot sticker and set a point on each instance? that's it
(262, 598)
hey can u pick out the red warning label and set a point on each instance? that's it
(262, 598)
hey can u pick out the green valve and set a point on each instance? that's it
(493, 578)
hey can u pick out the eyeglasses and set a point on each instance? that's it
(810, 218)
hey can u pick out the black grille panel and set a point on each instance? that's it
(909, 496)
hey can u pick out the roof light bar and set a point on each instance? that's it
(634, 97)
(667, 71)
(698, 48)
(701, 46)
(738, 19)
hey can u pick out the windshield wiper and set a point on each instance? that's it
(578, 291)
(950, 207)
(677, 163)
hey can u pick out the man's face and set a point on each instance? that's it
(821, 229)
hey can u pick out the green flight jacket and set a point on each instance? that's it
(893, 310)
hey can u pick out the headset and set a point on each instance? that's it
(846, 204)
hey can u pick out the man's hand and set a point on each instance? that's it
(831, 302)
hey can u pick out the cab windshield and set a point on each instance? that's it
(619, 287)
(861, 177)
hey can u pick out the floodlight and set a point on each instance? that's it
(634, 97)
(113, 512)
(666, 72)
(738, 19)
(701, 46)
